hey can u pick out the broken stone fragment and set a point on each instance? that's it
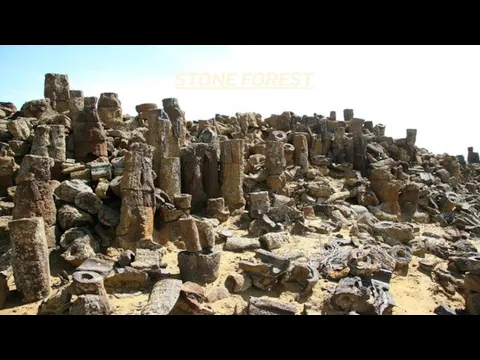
(201, 268)
(241, 244)
(273, 241)
(88, 283)
(80, 250)
(72, 234)
(101, 189)
(402, 233)
(238, 282)
(350, 294)
(99, 266)
(263, 225)
(126, 258)
(90, 305)
(19, 148)
(402, 255)
(192, 297)
(69, 189)
(100, 170)
(206, 233)
(188, 233)
(69, 216)
(268, 306)
(89, 202)
(30, 263)
(216, 294)
(56, 304)
(126, 280)
(19, 128)
(164, 296)
(146, 259)
(216, 209)
(259, 204)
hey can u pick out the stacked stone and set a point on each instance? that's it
(109, 108)
(143, 121)
(231, 169)
(57, 89)
(275, 164)
(166, 157)
(20, 129)
(201, 260)
(138, 198)
(177, 119)
(88, 132)
(472, 157)
(34, 193)
(301, 151)
(50, 141)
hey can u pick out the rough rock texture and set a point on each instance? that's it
(31, 267)
(231, 170)
(138, 198)
(163, 297)
(89, 135)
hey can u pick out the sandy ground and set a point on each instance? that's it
(414, 292)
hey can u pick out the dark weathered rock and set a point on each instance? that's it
(272, 241)
(72, 234)
(57, 304)
(241, 244)
(350, 294)
(402, 255)
(472, 282)
(216, 209)
(80, 250)
(126, 258)
(402, 233)
(4, 290)
(138, 198)
(88, 283)
(472, 303)
(238, 282)
(69, 189)
(89, 202)
(89, 135)
(126, 280)
(31, 267)
(146, 259)
(231, 170)
(69, 216)
(109, 216)
(201, 268)
(164, 296)
(192, 297)
(90, 305)
(268, 306)
(102, 267)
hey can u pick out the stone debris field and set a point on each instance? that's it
(105, 213)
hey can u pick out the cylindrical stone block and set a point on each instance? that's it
(347, 114)
(275, 157)
(231, 159)
(183, 201)
(199, 268)
(169, 179)
(30, 262)
(188, 233)
(88, 283)
(301, 151)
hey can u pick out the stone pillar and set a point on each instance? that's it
(231, 162)
(177, 119)
(275, 157)
(359, 146)
(339, 146)
(138, 198)
(379, 130)
(89, 135)
(387, 189)
(411, 139)
(57, 89)
(301, 151)
(30, 263)
(166, 156)
(347, 114)
(200, 173)
(76, 104)
(288, 151)
(109, 108)
(34, 193)
(333, 115)
(142, 108)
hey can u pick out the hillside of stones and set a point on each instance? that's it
(231, 215)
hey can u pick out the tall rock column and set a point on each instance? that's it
(359, 146)
(30, 263)
(57, 89)
(231, 162)
(410, 140)
(76, 104)
(177, 118)
(34, 194)
(200, 173)
(301, 151)
(138, 198)
(166, 156)
(275, 164)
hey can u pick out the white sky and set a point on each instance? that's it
(434, 89)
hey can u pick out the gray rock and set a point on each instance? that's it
(241, 244)
(163, 297)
